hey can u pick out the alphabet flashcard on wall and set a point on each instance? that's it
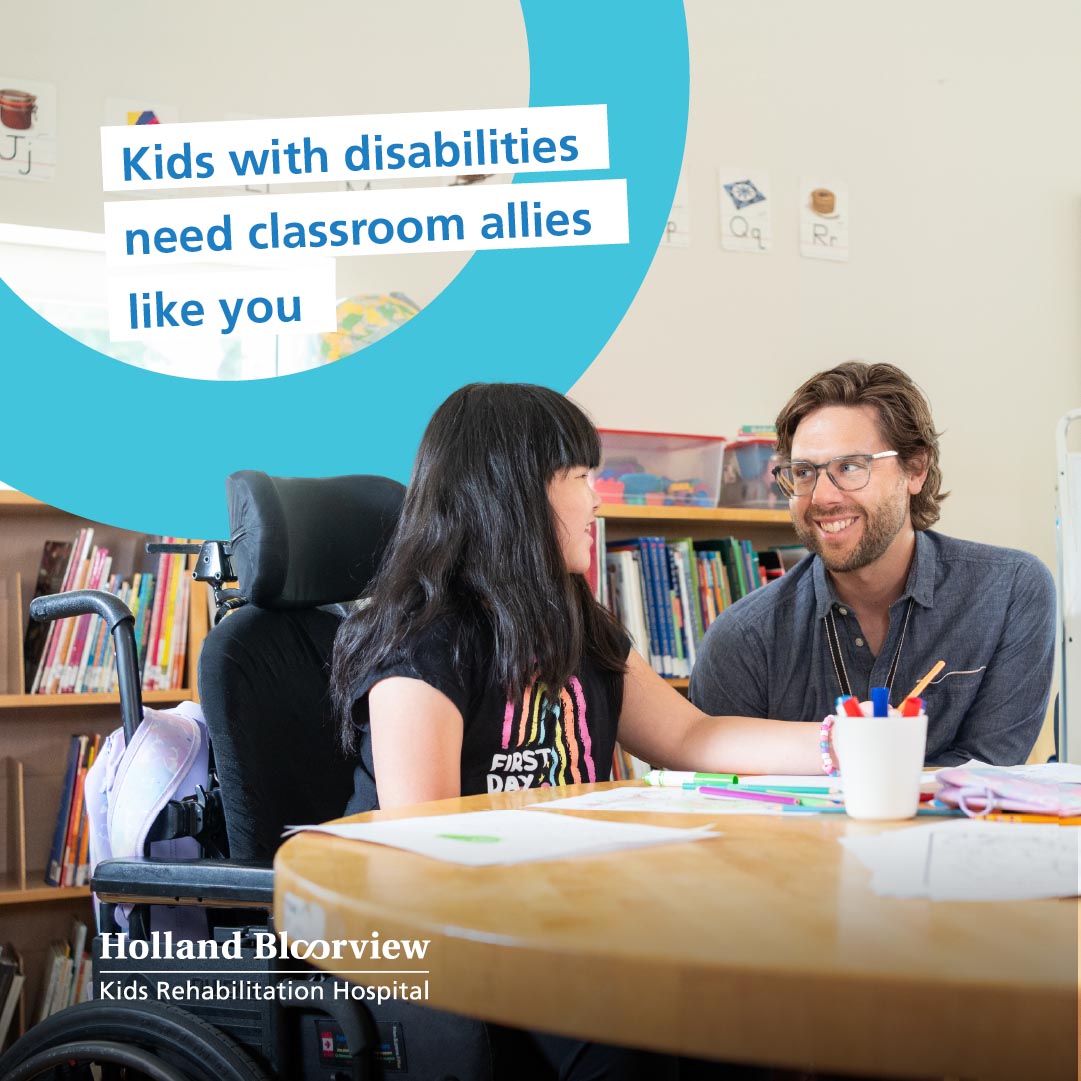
(27, 129)
(677, 230)
(823, 220)
(746, 214)
(137, 112)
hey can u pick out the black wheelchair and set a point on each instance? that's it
(302, 550)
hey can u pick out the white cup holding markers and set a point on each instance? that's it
(880, 752)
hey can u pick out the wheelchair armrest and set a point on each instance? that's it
(216, 882)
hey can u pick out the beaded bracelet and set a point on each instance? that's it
(828, 765)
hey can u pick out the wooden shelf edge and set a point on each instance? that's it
(720, 515)
(10, 894)
(49, 701)
(12, 500)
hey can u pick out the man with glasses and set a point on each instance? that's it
(882, 597)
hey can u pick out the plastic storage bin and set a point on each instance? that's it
(747, 479)
(660, 468)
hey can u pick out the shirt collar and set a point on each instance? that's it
(920, 585)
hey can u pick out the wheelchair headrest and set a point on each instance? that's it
(301, 542)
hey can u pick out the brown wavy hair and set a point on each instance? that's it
(904, 419)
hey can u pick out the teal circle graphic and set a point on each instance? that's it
(150, 452)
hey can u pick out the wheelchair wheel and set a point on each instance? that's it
(70, 1058)
(175, 1041)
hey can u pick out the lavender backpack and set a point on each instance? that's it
(127, 787)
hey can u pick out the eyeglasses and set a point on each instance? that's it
(849, 473)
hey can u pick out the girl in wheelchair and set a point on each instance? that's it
(481, 661)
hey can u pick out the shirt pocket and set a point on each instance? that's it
(947, 703)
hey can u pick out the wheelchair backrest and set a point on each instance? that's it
(297, 544)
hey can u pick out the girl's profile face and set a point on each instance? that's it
(574, 506)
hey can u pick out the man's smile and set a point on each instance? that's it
(835, 525)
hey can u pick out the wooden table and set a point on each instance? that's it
(765, 945)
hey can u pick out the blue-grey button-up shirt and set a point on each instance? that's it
(988, 612)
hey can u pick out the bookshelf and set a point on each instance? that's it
(35, 730)
(763, 527)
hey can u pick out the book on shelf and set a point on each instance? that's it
(67, 870)
(75, 656)
(77, 937)
(16, 822)
(625, 597)
(60, 629)
(11, 607)
(70, 843)
(667, 593)
(625, 767)
(63, 974)
(167, 642)
(48, 650)
(82, 984)
(55, 863)
(81, 855)
(595, 576)
(57, 957)
(55, 556)
(627, 600)
(789, 555)
(77, 823)
(12, 981)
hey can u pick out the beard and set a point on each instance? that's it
(881, 524)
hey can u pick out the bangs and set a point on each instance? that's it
(570, 438)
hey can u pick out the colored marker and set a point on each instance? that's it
(735, 793)
(919, 688)
(788, 790)
(941, 812)
(880, 700)
(912, 707)
(849, 705)
(997, 816)
(671, 778)
(806, 795)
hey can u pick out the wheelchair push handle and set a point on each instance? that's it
(121, 624)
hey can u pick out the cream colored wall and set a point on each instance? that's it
(954, 126)
(211, 58)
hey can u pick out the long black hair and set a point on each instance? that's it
(476, 541)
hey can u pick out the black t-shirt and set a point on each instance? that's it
(546, 737)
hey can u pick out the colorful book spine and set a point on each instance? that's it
(156, 617)
(54, 865)
(680, 660)
(687, 602)
(75, 814)
(49, 651)
(650, 601)
(65, 627)
(82, 864)
(658, 553)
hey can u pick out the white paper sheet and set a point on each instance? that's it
(482, 838)
(973, 861)
(656, 801)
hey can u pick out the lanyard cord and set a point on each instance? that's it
(837, 654)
